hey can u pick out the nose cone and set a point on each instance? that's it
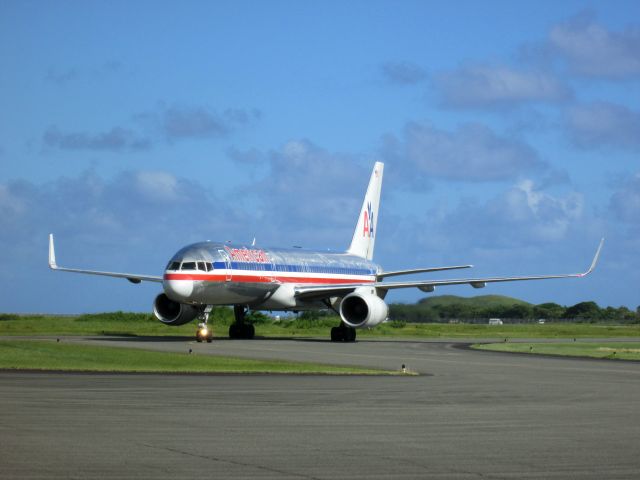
(178, 290)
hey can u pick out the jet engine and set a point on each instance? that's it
(363, 310)
(173, 313)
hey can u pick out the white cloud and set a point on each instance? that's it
(403, 73)
(147, 207)
(498, 86)
(471, 153)
(180, 122)
(592, 50)
(523, 214)
(157, 185)
(11, 205)
(117, 139)
(523, 229)
(171, 123)
(541, 214)
(114, 224)
(625, 202)
(603, 124)
(307, 193)
(251, 156)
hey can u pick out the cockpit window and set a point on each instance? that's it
(188, 266)
(201, 266)
(173, 266)
(209, 266)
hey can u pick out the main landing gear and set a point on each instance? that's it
(240, 329)
(204, 333)
(343, 334)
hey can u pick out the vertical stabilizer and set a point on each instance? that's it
(364, 236)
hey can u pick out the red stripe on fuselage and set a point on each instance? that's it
(260, 279)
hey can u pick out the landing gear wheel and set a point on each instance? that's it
(350, 335)
(233, 331)
(240, 329)
(248, 331)
(337, 334)
(245, 331)
(204, 334)
(343, 334)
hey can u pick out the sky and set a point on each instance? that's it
(510, 133)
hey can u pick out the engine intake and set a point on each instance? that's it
(171, 312)
(363, 310)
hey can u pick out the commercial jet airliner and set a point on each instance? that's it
(203, 275)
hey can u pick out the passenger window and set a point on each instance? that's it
(188, 266)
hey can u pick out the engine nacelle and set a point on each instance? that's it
(363, 310)
(171, 312)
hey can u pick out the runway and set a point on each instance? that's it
(468, 415)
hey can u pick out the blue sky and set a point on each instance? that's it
(510, 132)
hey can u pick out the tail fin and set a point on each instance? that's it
(364, 235)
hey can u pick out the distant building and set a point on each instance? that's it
(495, 321)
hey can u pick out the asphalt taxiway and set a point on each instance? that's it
(469, 414)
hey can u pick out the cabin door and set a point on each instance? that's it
(227, 263)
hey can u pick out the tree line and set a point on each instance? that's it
(580, 312)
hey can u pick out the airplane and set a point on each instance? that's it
(207, 274)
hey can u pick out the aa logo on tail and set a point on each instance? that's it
(368, 222)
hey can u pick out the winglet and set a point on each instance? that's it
(595, 259)
(52, 254)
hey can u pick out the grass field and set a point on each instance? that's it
(50, 355)
(548, 330)
(119, 323)
(609, 350)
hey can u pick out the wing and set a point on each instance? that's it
(324, 291)
(132, 277)
(382, 275)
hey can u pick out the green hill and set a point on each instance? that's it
(443, 308)
(481, 301)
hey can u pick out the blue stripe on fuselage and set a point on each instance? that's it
(292, 268)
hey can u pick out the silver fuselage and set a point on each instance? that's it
(211, 273)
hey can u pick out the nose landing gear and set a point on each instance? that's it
(204, 333)
(238, 329)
